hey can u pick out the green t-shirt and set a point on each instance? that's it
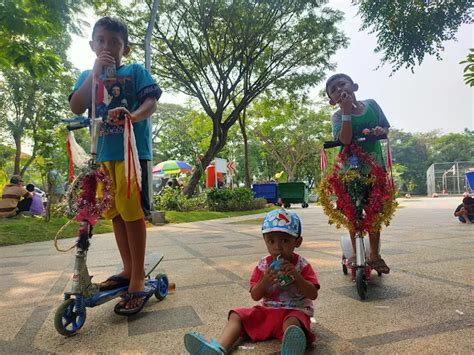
(372, 117)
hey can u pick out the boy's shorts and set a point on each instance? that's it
(129, 209)
(261, 323)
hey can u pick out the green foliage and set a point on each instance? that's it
(239, 199)
(173, 199)
(469, 69)
(291, 131)
(407, 30)
(181, 133)
(31, 30)
(226, 53)
(454, 147)
(32, 109)
(413, 153)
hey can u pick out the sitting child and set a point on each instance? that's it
(465, 211)
(286, 290)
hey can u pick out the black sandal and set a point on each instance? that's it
(113, 282)
(120, 308)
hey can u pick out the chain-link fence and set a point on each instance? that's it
(449, 178)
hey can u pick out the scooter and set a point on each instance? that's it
(361, 271)
(71, 314)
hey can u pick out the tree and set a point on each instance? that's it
(454, 147)
(31, 108)
(407, 30)
(413, 151)
(220, 51)
(291, 131)
(183, 133)
(30, 31)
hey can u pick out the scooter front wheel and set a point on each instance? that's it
(361, 283)
(67, 320)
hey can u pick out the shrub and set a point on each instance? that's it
(174, 200)
(239, 199)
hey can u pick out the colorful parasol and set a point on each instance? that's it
(172, 167)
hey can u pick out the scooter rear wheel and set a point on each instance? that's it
(344, 267)
(361, 283)
(162, 289)
(67, 320)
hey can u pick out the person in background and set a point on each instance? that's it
(465, 211)
(15, 198)
(37, 207)
(55, 188)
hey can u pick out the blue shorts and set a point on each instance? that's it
(461, 219)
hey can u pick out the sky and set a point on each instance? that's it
(434, 97)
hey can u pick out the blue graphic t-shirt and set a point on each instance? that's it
(129, 88)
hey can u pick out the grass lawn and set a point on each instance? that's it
(30, 229)
(183, 217)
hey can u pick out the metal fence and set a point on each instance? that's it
(448, 178)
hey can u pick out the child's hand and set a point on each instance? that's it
(104, 59)
(288, 268)
(116, 116)
(378, 131)
(346, 103)
(270, 276)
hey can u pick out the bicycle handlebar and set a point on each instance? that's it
(370, 138)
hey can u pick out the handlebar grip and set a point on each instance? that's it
(75, 125)
(331, 144)
(372, 138)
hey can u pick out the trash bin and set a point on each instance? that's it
(293, 192)
(267, 191)
(470, 180)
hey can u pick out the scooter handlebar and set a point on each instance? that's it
(368, 138)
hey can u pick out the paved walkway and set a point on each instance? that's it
(424, 306)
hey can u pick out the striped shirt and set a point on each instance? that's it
(11, 195)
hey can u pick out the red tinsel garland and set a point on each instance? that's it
(380, 191)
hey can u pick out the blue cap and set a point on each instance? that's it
(282, 221)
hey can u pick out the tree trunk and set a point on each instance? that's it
(16, 169)
(199, 170)
(242, 117)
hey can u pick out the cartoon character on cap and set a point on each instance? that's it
(282, 221)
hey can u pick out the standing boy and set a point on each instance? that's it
(352, 121)
(110, 44)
